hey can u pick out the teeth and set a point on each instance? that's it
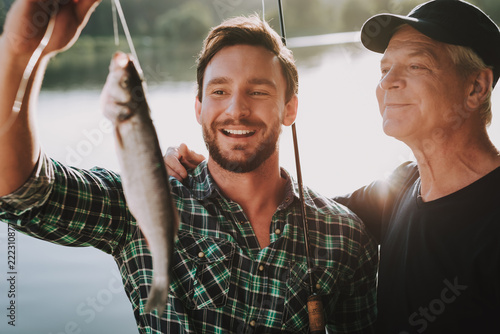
(238, 132)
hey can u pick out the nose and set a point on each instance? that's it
(238, 106)
(392, 79)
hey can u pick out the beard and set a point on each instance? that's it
(251, 160)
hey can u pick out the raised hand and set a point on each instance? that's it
(27, 22)
(24, 28)
(179, 159)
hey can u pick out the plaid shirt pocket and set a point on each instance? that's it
(202, 271)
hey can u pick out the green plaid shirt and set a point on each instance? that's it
(236, 287)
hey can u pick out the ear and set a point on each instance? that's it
(291, 110)
(479, 88)
(197, 108)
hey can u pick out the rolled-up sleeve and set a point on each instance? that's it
(33, 193)
(71, 206)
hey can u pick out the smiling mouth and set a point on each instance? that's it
(238, 133)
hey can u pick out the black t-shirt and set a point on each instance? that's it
(439, 260)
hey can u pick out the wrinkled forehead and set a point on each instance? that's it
(409, 41)
(410, 35)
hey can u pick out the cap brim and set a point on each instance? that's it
(378, 30)
(484, 39)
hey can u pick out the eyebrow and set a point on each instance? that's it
(218, 81)
(263, 81)
(423, 52)
(253, 81)
(417, 52)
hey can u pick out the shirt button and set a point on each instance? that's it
(201, 254)
(252, 323)
(261, 268)
(277, 231)
(318, 286)
(242, 222)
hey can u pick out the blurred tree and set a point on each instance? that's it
(4, 8)
(187, 22)
(401, 7)
(180, 19)
(491, 7)
(304, 18)
(140, 16)
(354, 14)
(100, 23)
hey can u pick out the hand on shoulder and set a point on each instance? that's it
(179, 160)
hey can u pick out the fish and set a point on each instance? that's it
(144, 176)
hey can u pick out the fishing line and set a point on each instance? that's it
(27, 74)
(115, 24)
(128, 37)
(35, 57)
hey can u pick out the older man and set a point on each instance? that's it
(439, 226)
(437, 220)
(239, 264)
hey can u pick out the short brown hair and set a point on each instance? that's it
(249, 31)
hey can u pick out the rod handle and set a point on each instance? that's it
(316, 315)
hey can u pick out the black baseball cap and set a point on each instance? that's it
(449, 21)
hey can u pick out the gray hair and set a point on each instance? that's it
(468, 63)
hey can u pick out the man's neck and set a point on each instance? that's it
(257, 188)
(258, 193)
(453, 164)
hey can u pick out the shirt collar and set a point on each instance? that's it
(203, 186)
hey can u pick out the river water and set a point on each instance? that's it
(342, 146)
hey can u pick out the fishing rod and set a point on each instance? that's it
(314, 303)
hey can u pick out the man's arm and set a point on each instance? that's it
(368, 204)
(24, 28)
(372, 202)
(71, 207)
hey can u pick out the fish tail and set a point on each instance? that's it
(158, 296)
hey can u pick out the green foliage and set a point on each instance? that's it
(492, 7)
(188, 20)
(402, 7)
(168, 33)
(185, 23)
(355, 13)
(4, 7)
(308, 17)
